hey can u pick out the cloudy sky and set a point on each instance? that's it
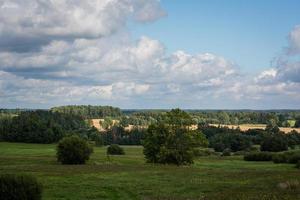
(206, 54)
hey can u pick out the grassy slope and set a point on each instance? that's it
(128, 177)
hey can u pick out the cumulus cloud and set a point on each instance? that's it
(25, 25)
(280, 82)
(65, 52)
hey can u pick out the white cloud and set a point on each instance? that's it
(294, 41)
(80, 51)
(39, 22)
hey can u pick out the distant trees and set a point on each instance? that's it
(233, 142)
(118, 135)
(171, 141)
(88, 111)
(297, 123)
(39, 126)
(274, 143)
(73, 150)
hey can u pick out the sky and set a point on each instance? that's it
(193, 54)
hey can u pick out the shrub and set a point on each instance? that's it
(274, 143)
(115, 149)
(298, 164)
(286, 157)
(226, 152)
(204, 152)
(19, 187)
(258, 156)
(73, 150)
(279, 158)
(294, 158)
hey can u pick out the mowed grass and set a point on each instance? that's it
(129, 177)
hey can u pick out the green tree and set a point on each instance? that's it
(73, 150)
(274, 143)
(172, 142)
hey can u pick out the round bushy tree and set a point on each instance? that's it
(115, 149)
(19, 187)
(73, 150)
(172, 142)
(274, 143)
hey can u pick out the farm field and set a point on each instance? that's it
(245, 127)
(129, 177)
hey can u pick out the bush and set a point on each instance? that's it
(298, 164)
(115, 149)
(73, 150)
(204, 152)
(258, 156)
(279, 158)
(226, 152)
(19, 187)
(294, 158)
(274, 143)
(287, 157)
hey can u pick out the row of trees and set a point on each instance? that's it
(88, 111)
(271, 139)
(280, 118)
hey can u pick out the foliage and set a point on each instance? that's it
(99, 141)
(172, 142)
(232, 141)
(39, 127)
(258, 156)
(274, 143)
(226, 152)
(297, 123)
(115, 149)
(19, 187)
(293, 139)
(73, 150)
(298, 164)
(279, 158)
(88, 111)
(287, 157)
(198, 152)
(118, 135)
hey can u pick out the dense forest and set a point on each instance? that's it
(88, 111)
(39, 126)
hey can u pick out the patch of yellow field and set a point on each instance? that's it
(245, 127)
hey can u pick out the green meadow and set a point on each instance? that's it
(129, 177)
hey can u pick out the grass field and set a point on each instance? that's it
(129, 177)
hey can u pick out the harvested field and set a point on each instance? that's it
(245, 127)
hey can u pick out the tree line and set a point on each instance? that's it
(88, 111)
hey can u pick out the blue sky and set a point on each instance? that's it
(250, 33)
(208, 54)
